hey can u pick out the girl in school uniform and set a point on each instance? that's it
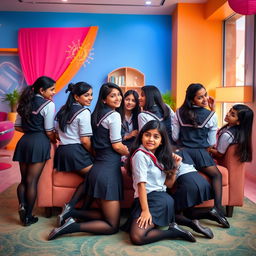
(238, 130)
(153, 108)
(153, 169)
(194, 128)
(104, 181)
(36, 120)
(74, 131)
(131, 112)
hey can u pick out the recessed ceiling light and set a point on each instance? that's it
(148, 2)
(64, 0)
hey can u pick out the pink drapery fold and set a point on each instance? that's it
(48, 51)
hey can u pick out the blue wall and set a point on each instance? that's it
(139, 41)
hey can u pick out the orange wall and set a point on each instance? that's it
(199, 49)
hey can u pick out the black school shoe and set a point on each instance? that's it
(181, 233)
(29, 220)
(215, 215)
(199, 228)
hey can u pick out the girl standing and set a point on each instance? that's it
(152, 170)
(36, 120)
(131, 112)
(104, 181)
(194, 128)
(238, 130)
(154, 109)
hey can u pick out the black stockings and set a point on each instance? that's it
(140, 236)
(102, 222)
(27, 189)
(216, 178)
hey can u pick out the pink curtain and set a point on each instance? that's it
(48, 51)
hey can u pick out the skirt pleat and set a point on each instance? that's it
(71, 157)
(32, 148)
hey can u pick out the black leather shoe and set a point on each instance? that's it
(182, 233)
(30, 220)
(61, 230)
(220, 218)
(197, 227)
(61, 218)
(22, 214)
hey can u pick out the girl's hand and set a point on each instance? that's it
(211, 103)
(144, 220)
(177, 159)
(134, 133)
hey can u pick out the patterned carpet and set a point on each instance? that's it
(16, 240)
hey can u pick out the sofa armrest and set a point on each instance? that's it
(236, 172)
(45, 184)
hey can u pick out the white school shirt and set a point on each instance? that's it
(144, 170)
(48, 113)
(80, 127)
(143, 118)
(212, 124)
(113, 123)
(224, 141)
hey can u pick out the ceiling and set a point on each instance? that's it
(159, 7)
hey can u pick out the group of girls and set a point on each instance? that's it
(143, 130)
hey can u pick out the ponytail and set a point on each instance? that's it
(74, 89)
(25, 103)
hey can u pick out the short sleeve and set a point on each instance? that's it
(114, 125)
(175, 128)
(143, 118)
(84, 119)
(212, 124)
(48, 112)
(223, 142)
(139, 167)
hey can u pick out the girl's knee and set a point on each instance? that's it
(136, 239)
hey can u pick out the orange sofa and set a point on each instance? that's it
(56, 188)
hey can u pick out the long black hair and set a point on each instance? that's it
(136, 110)
(187, 112)
(163, 153)
(78, 89)
(25, 102)
(105, 90)
(154, 97)
(243, 136)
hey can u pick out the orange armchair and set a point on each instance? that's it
(56, 188)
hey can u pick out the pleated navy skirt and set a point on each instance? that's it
(104, 180)
(200, 157)
(161, 207)
(192, 189)
(33, 147)
(71, 157)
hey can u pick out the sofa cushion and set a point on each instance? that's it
(66, 179)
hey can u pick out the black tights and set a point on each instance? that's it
(216, 178)
(101, 222)
(27, 189)
(151, 234)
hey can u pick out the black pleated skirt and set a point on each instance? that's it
(200, 157)
(192, 189)
(71, 157)
(104, 180)
(32, 147)
(161, 207)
